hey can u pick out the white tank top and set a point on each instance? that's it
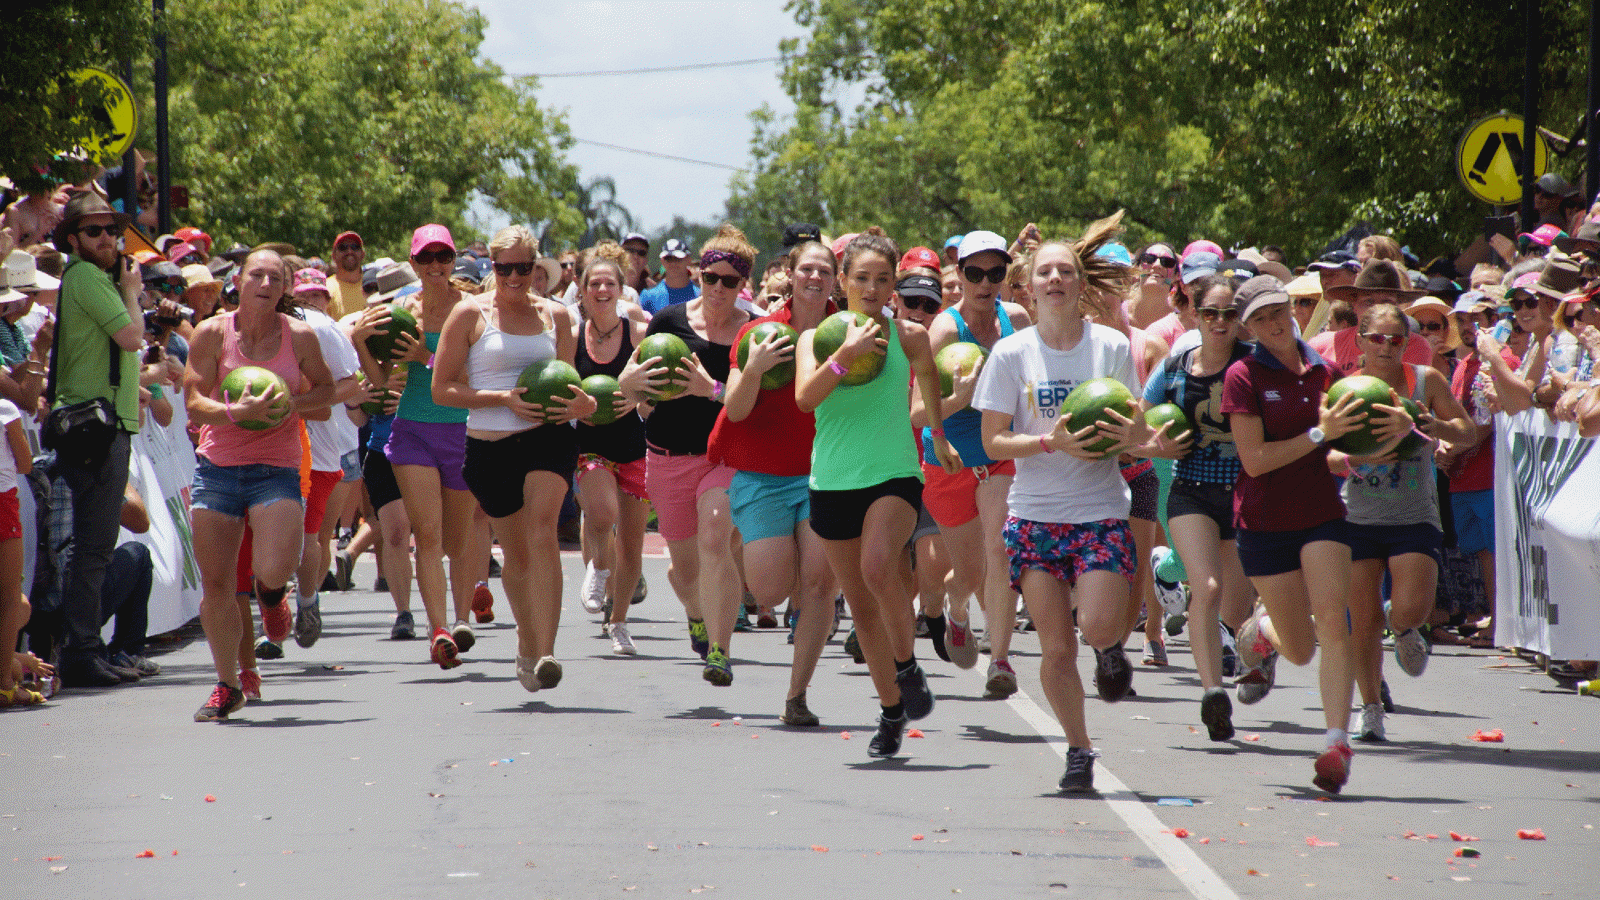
(493, 364)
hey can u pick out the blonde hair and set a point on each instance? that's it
(1101, 276)
(513, 236)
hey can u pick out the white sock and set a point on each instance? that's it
(303, 600)
(1337, 736)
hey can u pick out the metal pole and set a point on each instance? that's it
(1530, 109)
(163, 150)
(1591, 162)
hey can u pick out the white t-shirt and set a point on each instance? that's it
(8, 463)
(1028, 381)
(337, 436)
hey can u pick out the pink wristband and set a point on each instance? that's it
(936, 432)
(835, 368)
(1044, 442)
(228, 409)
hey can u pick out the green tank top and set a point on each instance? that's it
(416, 404)
(864, 435)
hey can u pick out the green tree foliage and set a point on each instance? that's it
(1254, 121)
(596, 215)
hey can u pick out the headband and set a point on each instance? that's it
(739, 263)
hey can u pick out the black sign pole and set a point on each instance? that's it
(1530, 110)
(163, 150)
(130, 158)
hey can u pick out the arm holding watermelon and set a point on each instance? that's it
(744, 382)
(1259, 456)
(641, 379)
(813, 382)
(200, 379)
(914, 341)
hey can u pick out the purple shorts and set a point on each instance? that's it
(1067, 550)
(437, 445)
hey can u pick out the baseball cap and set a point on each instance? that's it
(920, 258)
(1337, 259)
(179, 250)
(467, 267)
(1551, 183)
(1202, 246)
(1198, 265)
(428, 235)
(953, 240)
(1240, 270)
(975, 242)
(636, 236)
(799, 233)
(1258, 293)
(194, 236)
(308, 279)
(923, 286)
(348, 234)
(1544, 235)
(1116, 253)
(674, 248)
(161, 271)
(1472, 302)
(841, 242)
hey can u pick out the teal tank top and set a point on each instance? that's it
(416, 404)
(864, 435)
(964, 430)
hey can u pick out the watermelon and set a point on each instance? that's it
(545, 379)
(382, 345)
(673, 352)
(1361, 440)
(604, 389)
(373, 407)
(829, 337)
(960, 358)
(1411, 444)
(1087, 404)
(1160, 414)
(780, 374)
(258, 380)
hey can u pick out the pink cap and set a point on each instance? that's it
(309, 279)
(1545, 235)
(179, 250)
(1524, 282)
(428, 235)
(920, 257)
(1202, 246)
(843, 241)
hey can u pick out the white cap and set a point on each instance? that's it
(22, 272)
(975, 242)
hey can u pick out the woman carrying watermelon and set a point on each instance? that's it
(866, 481)
(1200, 505)
(1067, 534)
(970, 505)
(611, 467)
(767, 440)
(519, 456)
(1393, 509)
(1294, 542)
(689, 490)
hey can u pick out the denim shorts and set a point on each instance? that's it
(765, 506)
(235, 490)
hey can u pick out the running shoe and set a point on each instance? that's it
(797, 715)
(766, 620)
(1411, 652)
(494, 566)
(1155, 653)
(741, 622)
(344, 569)
(250, 683)
(852, 646)
(277, 621)
(1259, 659)
(887, 741)
(1230, 652)
(223, 701)
(960, 644)
(548, 671)
(1216, 712)
(145, 666)
(462, 634)
(1333, 768)
(922, 625)
(268, 649)
(380, 585)
(526, 674)
(1113, 676)
(1170, 593)
(594, 588)
(640, 592)
(404, 628)
(308, 622)
(482, 603)
(699, 638)
(937, 626)
(1079, 777)
(1372, 724)
(915, 694)
(1002, 681)
(443, 650)
(1257, 681)
(718, 670)
(621, 641)
(1384, 696)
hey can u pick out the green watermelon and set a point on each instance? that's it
(546, 379)
(673, 352)
(258, 380)
(830, 337)
(1088, 402)
(604, 389)
(780, 374)
(373, 407)
(382, 344)
(1160, 414)
(1411, 444)
(960, 358)
(1360, 441)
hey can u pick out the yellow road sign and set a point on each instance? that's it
(111, 126)
(1489, 158)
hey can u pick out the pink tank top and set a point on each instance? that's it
(230, 445)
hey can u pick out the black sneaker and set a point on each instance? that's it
(380, 585)
(852, 646)
(223, 700)
(405, 627)
(936, 626)
(914, 692)
(494, 567)
(1113, 675)
(1216, 711)
(89, 672)
(887, 741)
(266, 649)
(1079, 777)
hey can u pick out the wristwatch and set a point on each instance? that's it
(1316, 435)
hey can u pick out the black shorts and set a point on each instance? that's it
(495, 471)
(378, 475)
(1388, 541)
(1203, 498)
(1265, 553)
(1146, 490)
(925, 525)
(837, 515)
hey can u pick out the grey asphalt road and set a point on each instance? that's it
(368, 772)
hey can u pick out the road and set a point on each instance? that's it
(368, 772)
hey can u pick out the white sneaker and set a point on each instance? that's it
(1173, 601)
(1372, 724)
(1411, 652)
(594, 588)
(621, 641)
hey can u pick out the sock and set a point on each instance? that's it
(936, 630)
(271, 596)
(901, 668)
(895, 713)
(302, 600)
(1337, 736)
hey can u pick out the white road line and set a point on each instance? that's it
(1200, 879)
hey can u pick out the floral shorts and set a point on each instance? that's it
(1066, 550)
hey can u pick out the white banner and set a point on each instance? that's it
(1547, 537)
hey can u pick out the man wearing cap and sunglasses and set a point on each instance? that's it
(675, 285)
(345, 293)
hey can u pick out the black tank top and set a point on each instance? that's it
(621, 441)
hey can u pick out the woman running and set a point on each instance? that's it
(866, 481)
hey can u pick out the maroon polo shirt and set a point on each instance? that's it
(1302, 494)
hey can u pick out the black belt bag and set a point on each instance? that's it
(81, 434)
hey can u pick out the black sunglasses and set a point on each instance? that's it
(568, 264)
(1305, 302)
(977, 275)
(1213, 313)
(1166, 262)
(347, 248)
(636, 251)
(921, 303)
(728, 281)
(1430, 326)
(94, 231)
(429, 257)
(504, 270)
(1524, 302)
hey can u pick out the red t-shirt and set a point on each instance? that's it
(775, 438)
(1302, 494)
(1473, 469)
(1340, 350)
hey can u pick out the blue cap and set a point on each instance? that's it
(1116, 253)
(953, 241)
(1198, 265)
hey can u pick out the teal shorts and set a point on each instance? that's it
(767, 506)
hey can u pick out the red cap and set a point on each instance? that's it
(920, 257)
(348, 234)
(194, 236)
(428, 235)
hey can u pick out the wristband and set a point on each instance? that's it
(1044, 442)
(228, 408)
(718, 390)
(936, 432)
(835, 368)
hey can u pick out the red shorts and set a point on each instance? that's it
(952, 500)
(10, 517)
(676, 483)
(630, 476)
(317, 498)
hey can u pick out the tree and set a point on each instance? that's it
(599, 215)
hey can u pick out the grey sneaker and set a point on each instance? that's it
(796, 714)
(1372, 724)
(1002, 681)
(404, 628)
(1411, 652)
(1079, 777)
(1113, 676)
(960, 643)
(268, 649)
(1155, 653)
(122, 659)
(308, 622)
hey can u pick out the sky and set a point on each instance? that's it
(702, 115)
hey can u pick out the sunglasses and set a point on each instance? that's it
(347, 248)
(168, 287)
(1305, 302)
(977, 275)
(1524, 302)
(1165, 262)
(636, 252)
(924, 304)
(1430, 326)
(1392, 340)
(504, 270)
(567, 265)
(1213, 313)
(94, 231)
(728, 281)
(429, 257)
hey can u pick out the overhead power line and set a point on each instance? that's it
(683, 159)
(647, 71)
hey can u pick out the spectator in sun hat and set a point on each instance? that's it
(1305, 292)
(675, 285)
(1585, 241)
(1379, 281)
(391, 279)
